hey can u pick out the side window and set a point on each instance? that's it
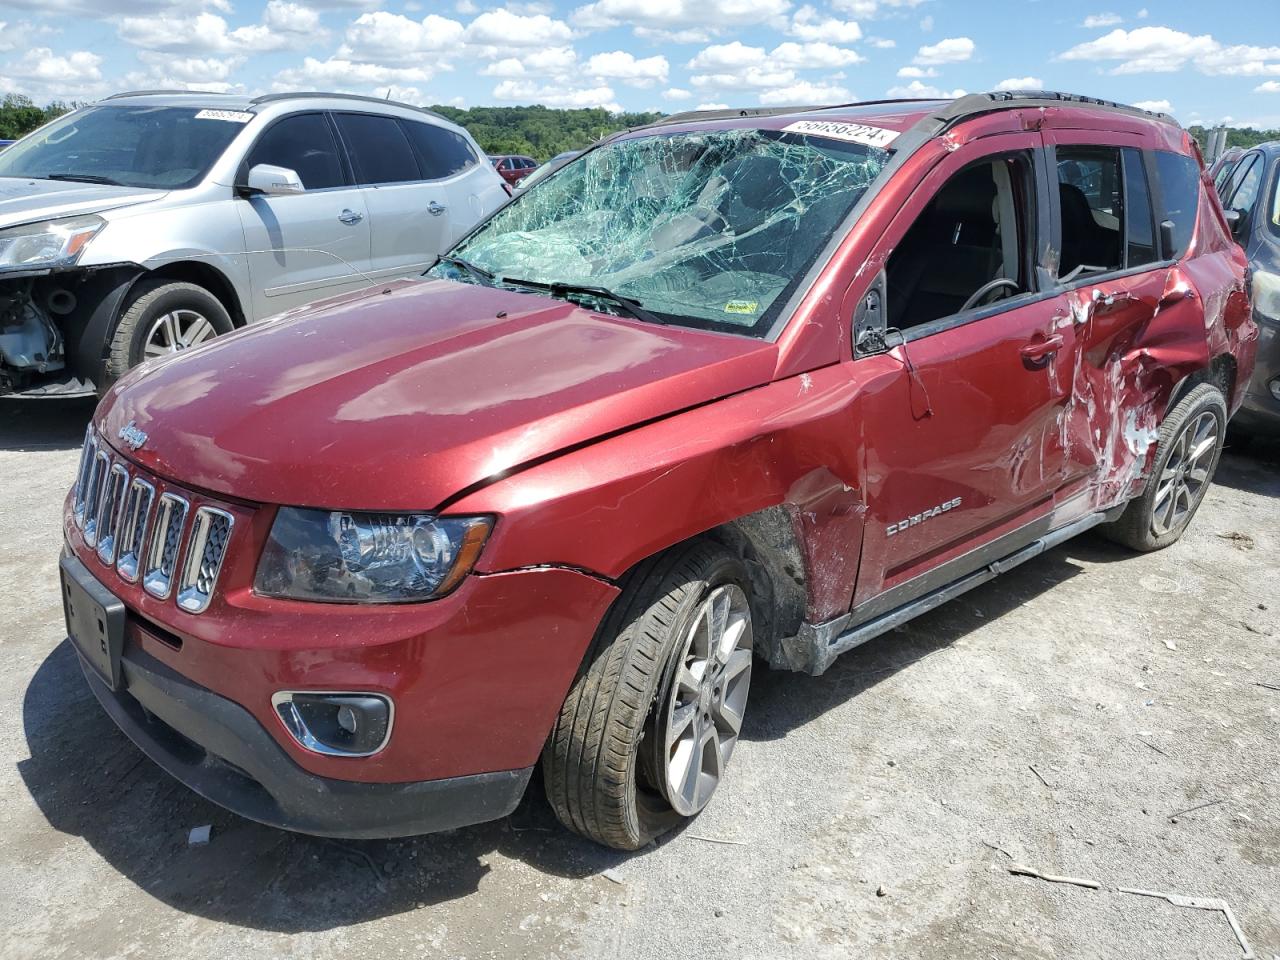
(1224, 177)
(1091, 199)
(1245, 193)
(1139, 227)
(441, 152)
(1179, 177)
(304, 144)
(378, 148)
(967, 249)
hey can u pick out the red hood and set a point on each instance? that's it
(399, 400)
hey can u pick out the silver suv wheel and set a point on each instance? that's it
(176, 331)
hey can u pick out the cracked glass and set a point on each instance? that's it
(710, 229)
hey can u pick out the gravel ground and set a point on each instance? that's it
(860, 816)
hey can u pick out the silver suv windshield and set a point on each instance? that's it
(710, 229)
(166, 148)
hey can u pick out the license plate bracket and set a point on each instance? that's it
(95, 619)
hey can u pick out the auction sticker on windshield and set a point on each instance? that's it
(231, 116)
(861, 133)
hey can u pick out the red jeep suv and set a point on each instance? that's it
(740, 388)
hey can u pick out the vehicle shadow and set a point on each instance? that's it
(44, 424)
(1253, 467)
(90, 781)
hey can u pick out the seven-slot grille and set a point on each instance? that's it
(144, 535)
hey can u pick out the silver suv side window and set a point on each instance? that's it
(379, 149)
(304, 144)
(441, 153)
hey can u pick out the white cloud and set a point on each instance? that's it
(1021, 83)
(557, 95)
(18, 36)
(804, 92)
(916, 73)
(1156, 106)
(685, 21)
(391, 38)
(466, 7)
(676, 93)
(868, 9)
(917, 90)
(1098, 20)
(284, 25)
(882, 43)
(348, 77)
(1270, 86)
(807, 24)
(712, 106)
(951, 50)
(813, 56)
(926, 23)
(727, 56)
(504, 30)
(44, 75)
(1164, 50)
(620, 65)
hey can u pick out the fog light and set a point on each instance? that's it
(336, 724)
(1274, 385)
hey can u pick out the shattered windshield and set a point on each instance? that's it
(711, 229)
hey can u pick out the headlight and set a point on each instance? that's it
(53, 243)
(367, 557)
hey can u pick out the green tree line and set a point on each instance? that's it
(19, 116)
(540, 132)
(1244, 137)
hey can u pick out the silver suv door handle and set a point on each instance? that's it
(350, 216)
(435, 209)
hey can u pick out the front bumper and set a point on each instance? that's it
(219, 750)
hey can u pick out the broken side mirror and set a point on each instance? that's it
(1235, 221)
(1166, 240)
(869, 333)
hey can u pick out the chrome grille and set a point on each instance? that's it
(135, 518)
(93, 498)
(109, 513)
(206, 547)
(162, 552)
(84, 472)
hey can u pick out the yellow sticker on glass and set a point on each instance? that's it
(741, 306)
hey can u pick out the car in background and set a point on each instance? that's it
(741, 386)
(1222, 166)
(148, 223)
(5, 143)
(1250, 193)
(548, 168)
(513, 167)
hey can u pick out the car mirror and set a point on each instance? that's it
(273, 181)
(1166, 240)
(1235, 220)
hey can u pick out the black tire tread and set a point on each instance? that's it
(590, 758)
(146, 293)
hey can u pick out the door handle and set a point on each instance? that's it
(1042, 350)
(435, 208)
(350, 216)
(1106, 302)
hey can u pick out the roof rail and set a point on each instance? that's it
(166, 93)
(733, 113)
(316, 95)
(976, 103)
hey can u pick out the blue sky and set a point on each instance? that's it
(655, 54)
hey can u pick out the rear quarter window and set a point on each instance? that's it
(441, 152)
(1179, 177)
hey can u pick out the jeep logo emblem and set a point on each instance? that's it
(131, 435)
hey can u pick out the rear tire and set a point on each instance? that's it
(602, 767)
(160, 317)
(1187, 455)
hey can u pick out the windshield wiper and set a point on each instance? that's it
(567, 290)
(484, 275)
(83, 178)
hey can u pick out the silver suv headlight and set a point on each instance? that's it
(345, 557)
(51, 243)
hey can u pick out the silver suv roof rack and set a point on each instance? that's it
(317, 95)
(163, 93)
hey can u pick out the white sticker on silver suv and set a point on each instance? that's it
(231, 116)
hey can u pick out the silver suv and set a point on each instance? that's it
(150, 222)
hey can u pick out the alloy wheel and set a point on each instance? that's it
(702, 717)
(176, 331)
(1186, 474)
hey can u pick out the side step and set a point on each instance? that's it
(819, 645)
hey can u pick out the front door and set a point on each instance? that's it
(310, 245)
(964, 431)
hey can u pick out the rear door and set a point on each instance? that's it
(962, 438)
(470, 188)
(310, 245)
(409, 215)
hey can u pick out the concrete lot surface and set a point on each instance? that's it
(860, 817)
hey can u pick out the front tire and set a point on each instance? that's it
(163, 317)
(655, 712)
(1187, 455)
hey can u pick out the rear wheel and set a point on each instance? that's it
(162, 318)
(644, 736)
(1187, 453)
